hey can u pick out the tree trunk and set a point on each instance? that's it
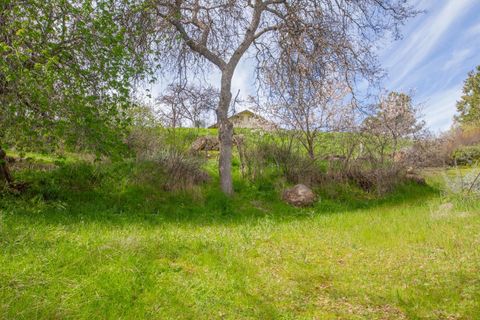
(311, 150)
(241, 153)
(5, 176)
(225, 134)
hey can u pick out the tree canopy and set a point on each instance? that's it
(469, 105)
(66, 70)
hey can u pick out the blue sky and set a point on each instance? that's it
(437, 51)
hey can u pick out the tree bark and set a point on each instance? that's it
(241, 153)
(311, 147)
(5, 175)
(225, 134)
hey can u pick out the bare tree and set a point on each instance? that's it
(220, 33)
(197, 104)
(169, 109)
(309, 107)
(190, 103)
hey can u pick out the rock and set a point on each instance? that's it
(211, 143)
(299, 196)
(205, 143)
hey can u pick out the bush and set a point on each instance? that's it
(181, 170)
(379, 180)
(461, 184)
(456, 140)
(465, 137)
(281, 158)
(467, 155)
(145, 141)
(424, 153)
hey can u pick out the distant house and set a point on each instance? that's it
(248, 119)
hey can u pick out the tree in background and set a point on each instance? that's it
(169, 109)
(187, 102)
(469, 105)
(396, 119)
(220, 33)
(66, 71)
(308, 106)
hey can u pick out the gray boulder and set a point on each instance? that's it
(205, 143)
(299, 196)
(211, 143)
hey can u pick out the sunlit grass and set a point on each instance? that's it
(89, 242)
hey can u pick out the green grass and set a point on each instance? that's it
(94, 242)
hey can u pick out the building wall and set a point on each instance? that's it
(251, 122)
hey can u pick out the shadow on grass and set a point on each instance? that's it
(68, 197)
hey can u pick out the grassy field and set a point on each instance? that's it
(91, 242)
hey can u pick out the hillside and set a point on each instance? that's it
(107, 240)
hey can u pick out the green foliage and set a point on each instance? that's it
(467, 155)
(269, 158)
(65, 73)
(182, 171)
(108, 240)
(93, 240)
(469, 105)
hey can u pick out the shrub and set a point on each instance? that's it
(281, 158)
(465, 137)
(424, 153)
(461, 184)
(181, 170)
(467, 155)
(145, 141)
(375, 179)
(459, 139)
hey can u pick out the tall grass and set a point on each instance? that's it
(99, 240)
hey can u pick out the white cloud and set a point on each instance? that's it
(243, 79)
(419, 45)
(441, 107)
(474, 30)
(456, 59)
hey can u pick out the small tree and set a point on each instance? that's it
(170, 107)
(396, 119)
(142, 114)
(469, 105)
(188, 102)
(309, 107)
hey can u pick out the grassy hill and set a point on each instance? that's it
(106, 240)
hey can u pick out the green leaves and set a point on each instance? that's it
(20, 32)
(469, 105)
(65, 70)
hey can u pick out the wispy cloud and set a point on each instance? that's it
(243, 79)
(457, 58)
(425, 38)
(474, 31)
(440, 108)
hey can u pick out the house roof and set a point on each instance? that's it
(241, 113)
(248, 112)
